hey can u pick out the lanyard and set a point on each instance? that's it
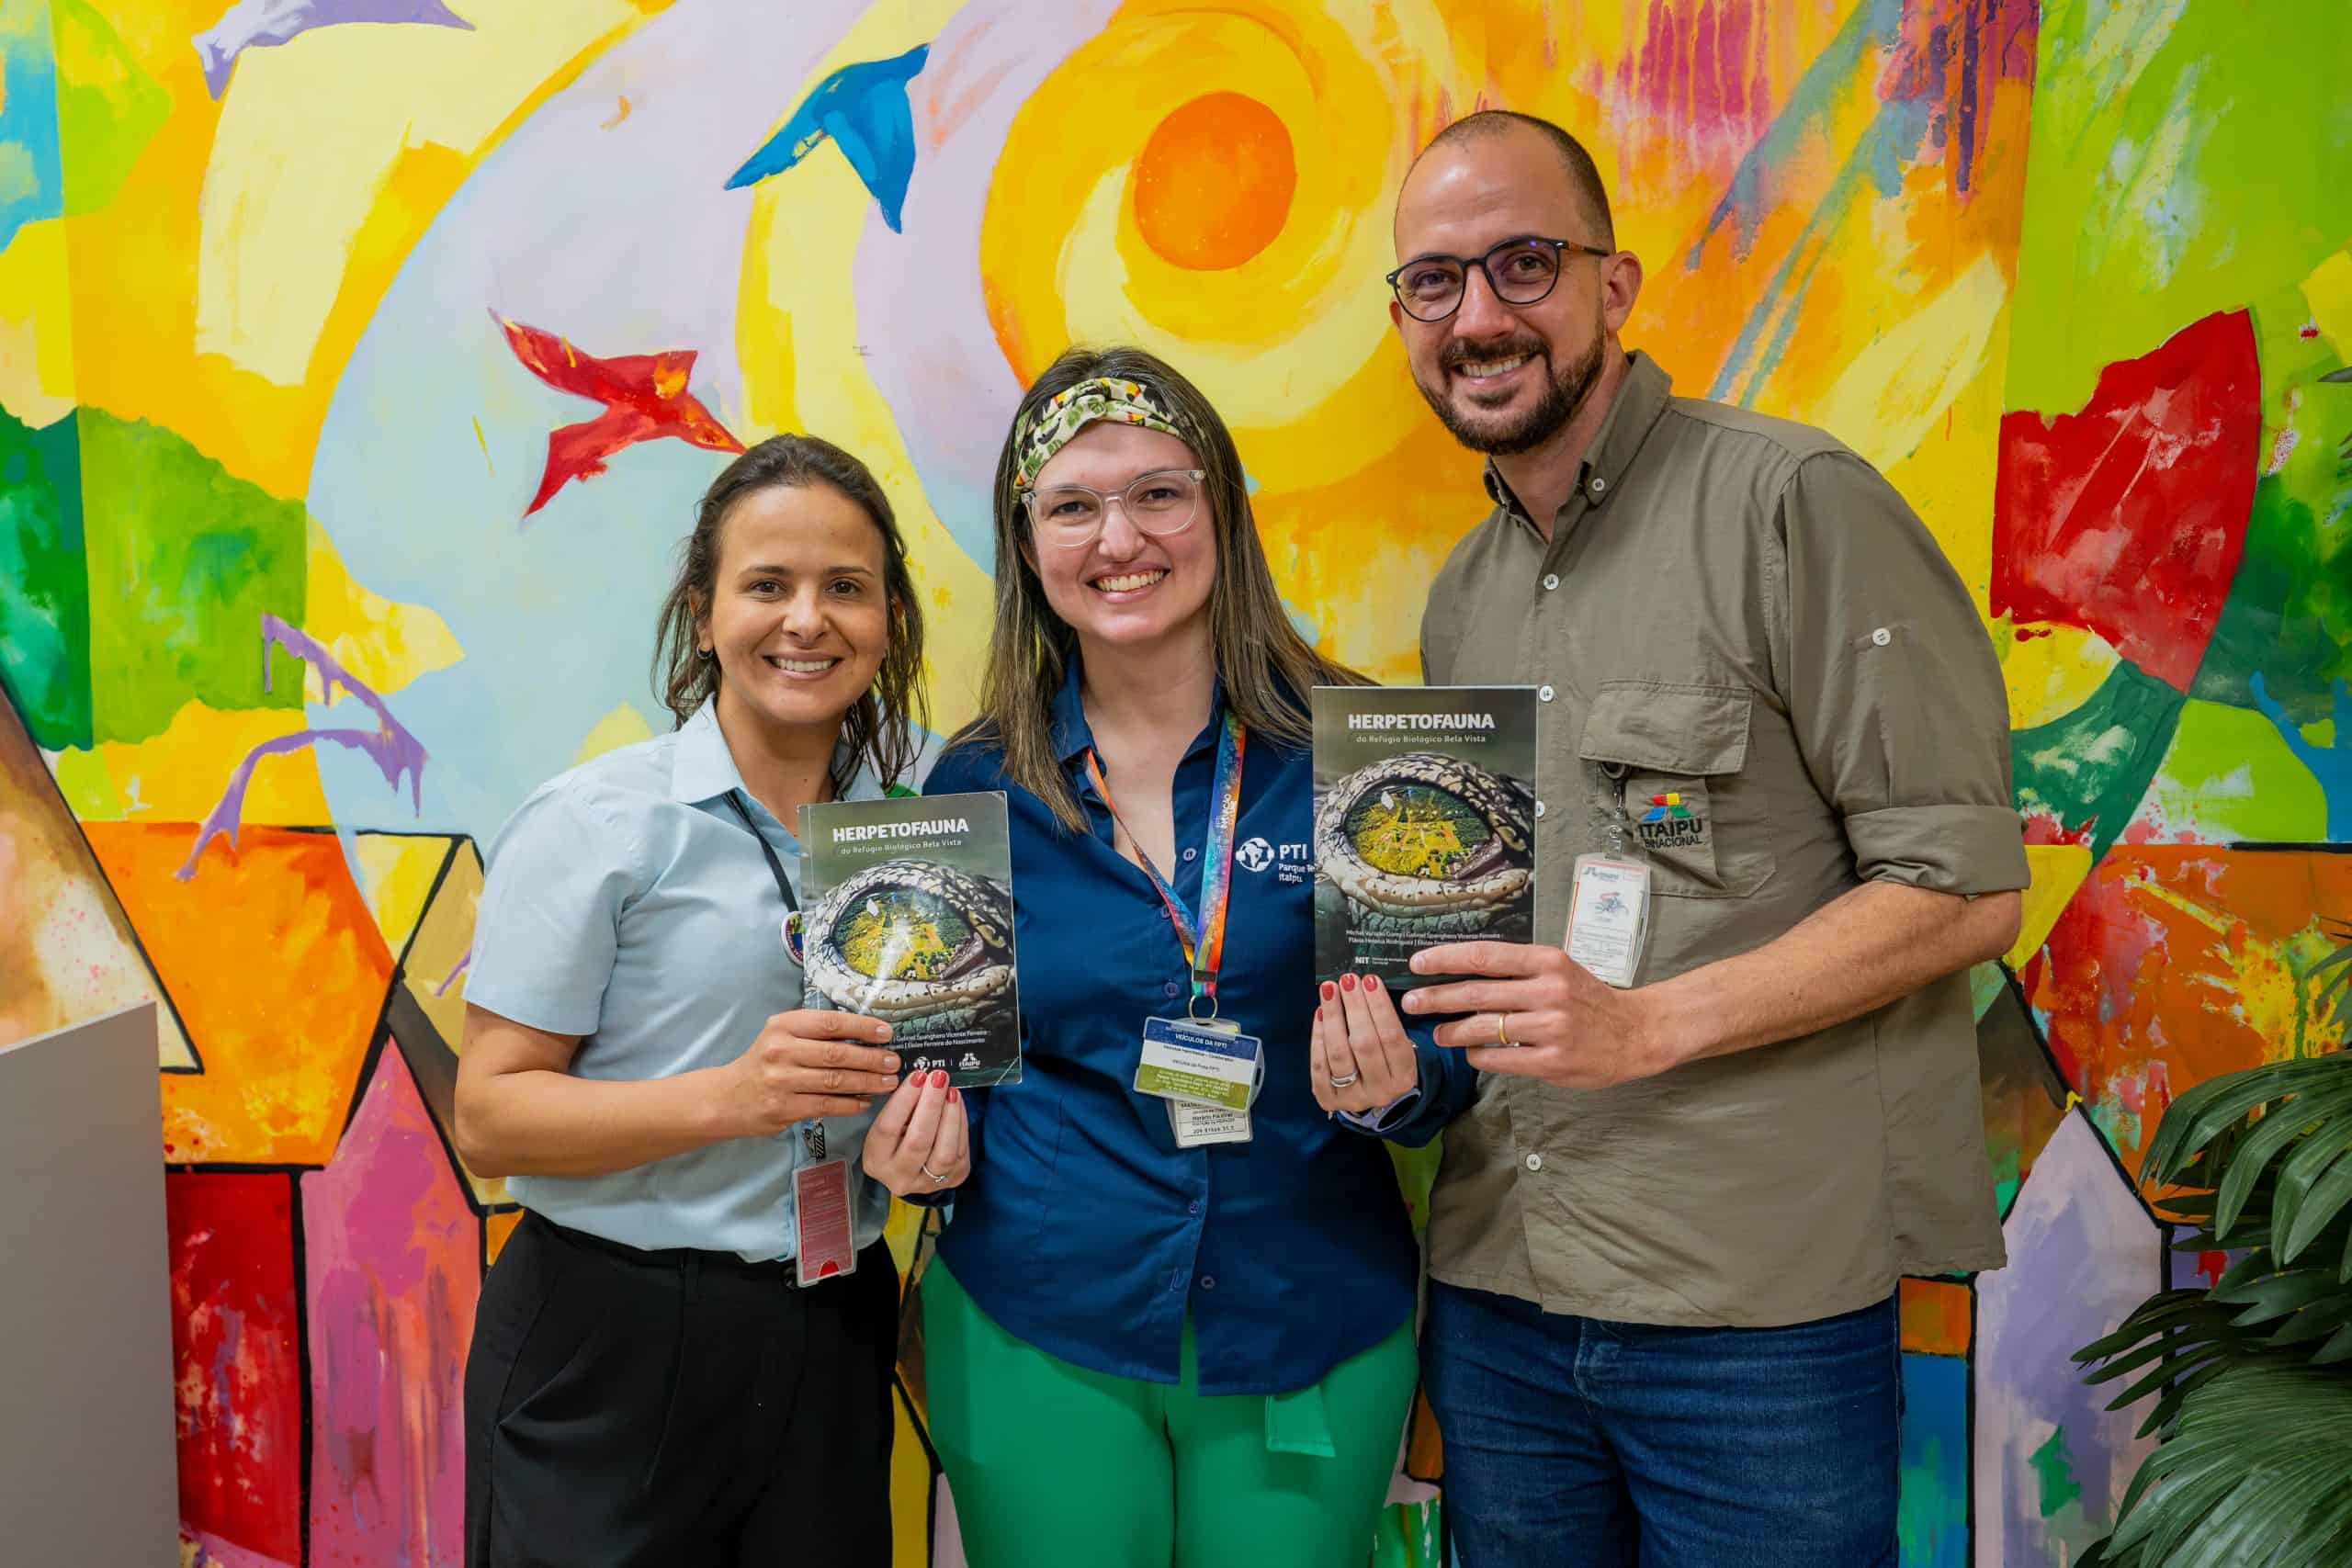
(1204, 940)
(812, 1132)
(735, 799)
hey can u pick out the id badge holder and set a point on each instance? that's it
(1202, 1065)
(1194, 1125)
(1609, 917)
(825, 1244)
(1609, 910)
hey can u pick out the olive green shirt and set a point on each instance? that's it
(1747, 624)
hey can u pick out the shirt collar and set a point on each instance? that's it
(701, 768)
(1641, 397)
(1073, 735)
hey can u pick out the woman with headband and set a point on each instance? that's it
(1160, 1333)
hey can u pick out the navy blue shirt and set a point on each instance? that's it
(1083, 1229)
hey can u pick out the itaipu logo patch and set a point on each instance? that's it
(1673, 821)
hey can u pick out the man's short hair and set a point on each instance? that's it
(1583, 175)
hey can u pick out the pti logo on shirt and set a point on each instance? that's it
(1670, 823)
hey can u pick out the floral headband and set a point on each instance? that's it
(1048, 428)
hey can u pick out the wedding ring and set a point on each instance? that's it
(1343, 1083)
(1502, 1035)
(935, 1176)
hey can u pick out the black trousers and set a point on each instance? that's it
(654, 1410)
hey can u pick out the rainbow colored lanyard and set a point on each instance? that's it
(1204, 940)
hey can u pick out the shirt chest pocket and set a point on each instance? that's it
(1680, 750)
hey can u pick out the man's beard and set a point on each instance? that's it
(1559, 403)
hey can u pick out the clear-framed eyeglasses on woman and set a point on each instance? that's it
(1167, 501)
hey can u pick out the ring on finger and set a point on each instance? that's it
(933, 1174)
(1345, 1082)
(1502, 1033)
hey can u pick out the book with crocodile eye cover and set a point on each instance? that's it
(908, 919)
(1424, 824)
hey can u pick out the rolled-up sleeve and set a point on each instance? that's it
(559, 875)
(1893, 687)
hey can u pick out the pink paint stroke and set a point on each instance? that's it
(393, 749)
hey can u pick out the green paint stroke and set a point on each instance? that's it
(2055, 1474)
(2229, 774)
(183, 560)
(2288, 616)
(1416, 1173)
(108, 107)
(44, 592)
(2182, 164)
(2090, 768)
(1407, 1535)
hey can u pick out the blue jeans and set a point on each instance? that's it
(1575, 1443)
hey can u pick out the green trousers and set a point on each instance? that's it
(1055, 1466)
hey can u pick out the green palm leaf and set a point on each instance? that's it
(2253, 1473)
(2314, 1186)
(2311, 1107)
(2218, 1105)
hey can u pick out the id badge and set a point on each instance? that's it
(1199, 1064)
(1194, 1125)
(1609, 919)
(824, 1248)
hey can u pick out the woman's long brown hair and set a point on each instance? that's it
(882, 729)
(1268, 669)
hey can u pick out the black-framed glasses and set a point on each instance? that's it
(1521, 270)
(1167, 501)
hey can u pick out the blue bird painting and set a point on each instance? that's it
(864, 109)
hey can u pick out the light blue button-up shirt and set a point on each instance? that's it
(627, 904)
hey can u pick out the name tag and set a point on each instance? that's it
(1609, 919)
(1197, 1064)
(1194, 1125)
(824, 1245)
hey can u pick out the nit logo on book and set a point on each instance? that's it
(1296, 861)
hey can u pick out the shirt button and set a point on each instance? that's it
(1194, 1207)
(1599, 486)
(1551, 579)
(1171, 989)
(1208, 1281)
(1539, 808)
(1534, 1162)
(1191, 854)
(1882, 637)
(1544, 693)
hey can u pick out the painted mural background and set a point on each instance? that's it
(360, 359)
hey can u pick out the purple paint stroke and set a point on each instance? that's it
(261, 24)
(393, 749)
(2082, 1254)
(451, 978)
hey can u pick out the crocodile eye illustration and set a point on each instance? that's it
(1426, 841)
(924, 946)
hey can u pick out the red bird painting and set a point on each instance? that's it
(645, 398)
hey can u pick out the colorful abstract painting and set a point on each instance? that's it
(360, 361)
